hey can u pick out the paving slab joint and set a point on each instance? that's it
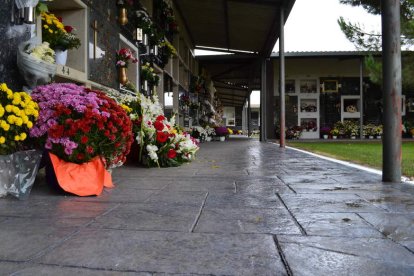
(302, 230)
(282, 256)
(199, 214)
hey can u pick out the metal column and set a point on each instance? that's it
(282, 77)
(249, 115)
(391, 64)
(361, 101)
(263, 103)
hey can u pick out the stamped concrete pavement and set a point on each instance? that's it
(241, 208)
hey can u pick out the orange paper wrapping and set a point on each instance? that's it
(85, 179)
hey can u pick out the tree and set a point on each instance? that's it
(371, 41)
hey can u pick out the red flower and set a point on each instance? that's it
(162, 137)
(68, 29)
(80, 156)
(171, 154)
(59, 18)
(84, 139)
(89, 149)
(160, 118)
(159, 125)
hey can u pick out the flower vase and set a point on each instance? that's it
(18, 172)
(353, 137)
(122, 75)
(378, 136)
(61, 56)
(123, 16)
(371, 137)
(325, 136)
(208, 139)
(222, 138)
(334, 137)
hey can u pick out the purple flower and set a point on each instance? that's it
(68, 151)
(48, 144)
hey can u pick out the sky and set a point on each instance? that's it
(312, 25)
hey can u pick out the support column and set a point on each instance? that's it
(270, 108)
(263, 102)
(282, 118)
(249, 115)
(361, 95)
(391, 64)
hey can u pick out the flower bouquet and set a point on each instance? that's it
(79, 125)
(18, 164)
(161, 144)
(148, 74)
(124, 56)
(36, 62)
(59, 36)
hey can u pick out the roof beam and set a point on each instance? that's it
(226, 20)
(258, 2)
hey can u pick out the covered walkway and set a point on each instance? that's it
(242, 208)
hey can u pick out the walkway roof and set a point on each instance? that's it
(247, 27)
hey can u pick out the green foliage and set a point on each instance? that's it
(371, 41)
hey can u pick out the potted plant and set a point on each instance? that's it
(378, 131)
(325, 131)
(221, 133)
(84, 131)
(60, 37)
(334, 132)
(210, 133)
(18, 161)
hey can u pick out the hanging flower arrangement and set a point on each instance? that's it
(57, 34)
(124, 56)
(161, 143)
(18, 113)
(78, 124)
(148, 74)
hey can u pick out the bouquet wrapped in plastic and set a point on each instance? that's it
(36, 63)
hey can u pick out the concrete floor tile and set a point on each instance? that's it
(59, 207)
(336, 225)
(178, 198)
(243, 200)
(22, 239)
(390, 251)
(310, 261)
(52, 270)
(157, 217)
(246, 220)
(170, 252)
(396, 226)
(328, 202)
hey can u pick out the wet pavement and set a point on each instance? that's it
(242, 208)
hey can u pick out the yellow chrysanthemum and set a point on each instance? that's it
(2, 139)
(1, 111)
(17, 138)
(50, 31)
(16, 99)
(4, 87)
(18, 122)
(29, 124)
(46, 26)
(9, 108)
(23, 136)
(25, 119)
(11, 119)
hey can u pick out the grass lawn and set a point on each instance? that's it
(364, 153)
